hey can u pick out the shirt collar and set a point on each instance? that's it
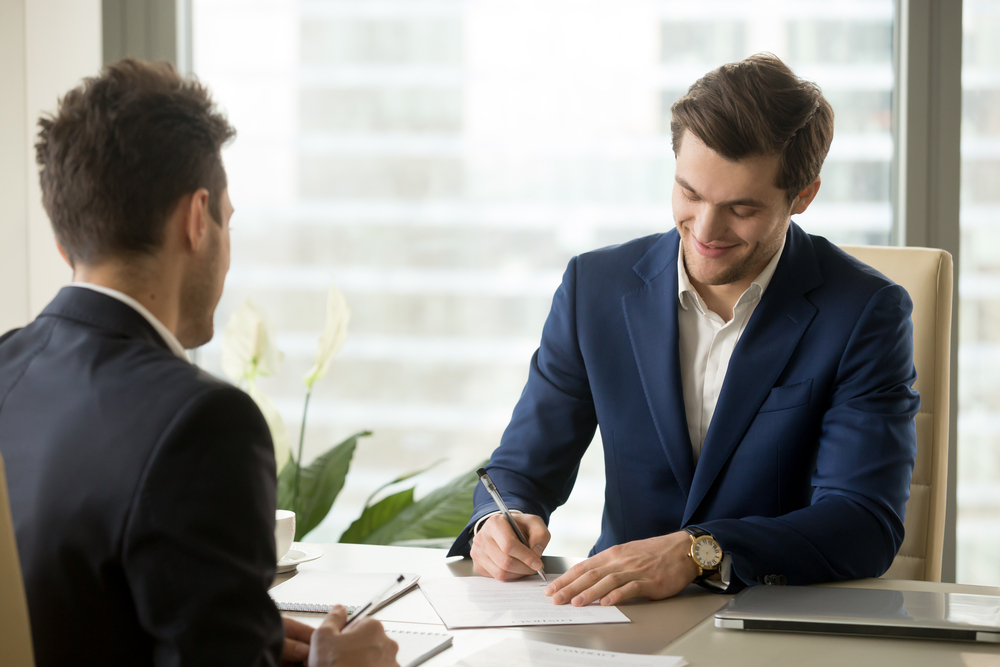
(168, 337)
(757, 287)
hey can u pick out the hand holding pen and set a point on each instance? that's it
(508, 547)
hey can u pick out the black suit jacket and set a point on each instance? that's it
(142, 491)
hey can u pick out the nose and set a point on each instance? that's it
(709, 224)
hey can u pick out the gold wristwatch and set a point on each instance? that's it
(705, 552)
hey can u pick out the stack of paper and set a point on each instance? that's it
(479, 602)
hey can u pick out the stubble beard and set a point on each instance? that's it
(199, 299)
(751, 265)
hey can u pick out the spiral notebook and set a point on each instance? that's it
(317, 591)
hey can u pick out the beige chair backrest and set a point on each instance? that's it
(926, 274)
(15, 629)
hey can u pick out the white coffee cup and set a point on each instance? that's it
(284, 531)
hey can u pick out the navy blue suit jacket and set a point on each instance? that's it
(142, 491)
(805, 469)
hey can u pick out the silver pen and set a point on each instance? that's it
(492, 488)
(372, 604)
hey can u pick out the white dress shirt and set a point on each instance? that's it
(707, 343)
(165, 333)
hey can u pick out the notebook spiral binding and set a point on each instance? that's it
(314, 608)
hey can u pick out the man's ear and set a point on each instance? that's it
(804, 198)
(196, 219)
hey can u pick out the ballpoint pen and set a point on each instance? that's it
(364, 611)
(492, 488)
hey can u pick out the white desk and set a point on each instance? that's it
(682, 625)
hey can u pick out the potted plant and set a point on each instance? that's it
(249, 352)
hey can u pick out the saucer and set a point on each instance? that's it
(299, 553)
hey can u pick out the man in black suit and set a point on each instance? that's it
(142, 488)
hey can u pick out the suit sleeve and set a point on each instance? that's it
(853, 527)
(205, 507)
(7, 335)
(553, 422)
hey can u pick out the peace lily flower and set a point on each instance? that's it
(248, 348)
(279, 434)
(338, 315)
(248, 351)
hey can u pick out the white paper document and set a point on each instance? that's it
(528, 653)
(479, 602)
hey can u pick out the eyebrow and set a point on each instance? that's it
(746, 201)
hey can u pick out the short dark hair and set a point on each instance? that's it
(122, 149)
(758, 106)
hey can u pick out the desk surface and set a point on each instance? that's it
(683, 625)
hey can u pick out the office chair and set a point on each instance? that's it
(926, 274)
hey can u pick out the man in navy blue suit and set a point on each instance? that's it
(752, 383)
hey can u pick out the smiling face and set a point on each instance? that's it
(731, 216)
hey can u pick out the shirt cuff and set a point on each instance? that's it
(724, 573)
(479, 524)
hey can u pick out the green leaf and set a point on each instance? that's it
(375, 516)
(319, 484)
(442, 513)
(401, 478)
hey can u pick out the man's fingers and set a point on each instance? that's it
(294, 651)
(497, 550)
(502, 565)
(514, 558)
(632, 589)
(297, 636)
(584, 582)
(535, 530)
(336, 618)
(297, 630)
(574, 573)
(508, 543)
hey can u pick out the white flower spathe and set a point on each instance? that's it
(338, 315)
(279, 434)
(248, 348)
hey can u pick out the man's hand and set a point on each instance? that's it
(496, 552)
(297, 636)
(363, 644)
(656, 568)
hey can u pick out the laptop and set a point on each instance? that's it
(864, 611)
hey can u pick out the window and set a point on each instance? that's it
(978, 529)
(442, 160)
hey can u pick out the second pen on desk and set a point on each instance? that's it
(492, 488)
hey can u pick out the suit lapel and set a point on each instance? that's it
(761, 354)
(651, 317)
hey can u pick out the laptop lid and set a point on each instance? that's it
(864, 611)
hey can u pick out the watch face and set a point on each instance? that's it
(707, 553)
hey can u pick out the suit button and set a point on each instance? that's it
(775, 580)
